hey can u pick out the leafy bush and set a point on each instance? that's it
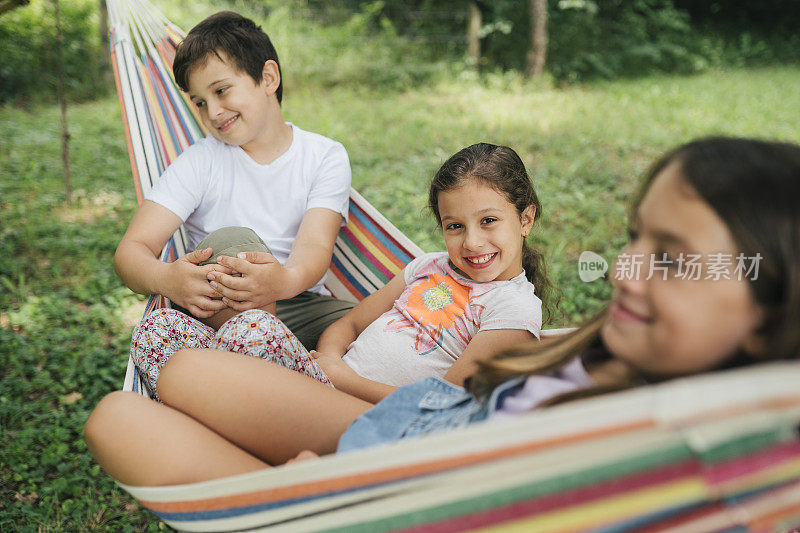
(29, 67)
(590, 39)
(608, 39)
(355, 48)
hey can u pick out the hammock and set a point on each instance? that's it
(161, 122)
(703, 454)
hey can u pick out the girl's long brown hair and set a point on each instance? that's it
(502, 169)
(754, 186)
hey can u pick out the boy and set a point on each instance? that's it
(255, 170)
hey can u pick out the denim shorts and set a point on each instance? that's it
(428, 406)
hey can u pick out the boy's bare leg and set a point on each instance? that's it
(267, 410)
(141, 442)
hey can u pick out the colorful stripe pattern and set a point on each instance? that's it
(646, 460)
(368, 252)
(640, 460)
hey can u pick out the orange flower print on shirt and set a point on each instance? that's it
(438, 300)
(437, 306)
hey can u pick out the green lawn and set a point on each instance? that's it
(65, 318)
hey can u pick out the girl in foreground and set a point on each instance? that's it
(440, 315)
(712, 198)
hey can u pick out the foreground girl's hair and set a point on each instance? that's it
(754, 187)
(502, 169)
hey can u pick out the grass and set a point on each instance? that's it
(65, 318)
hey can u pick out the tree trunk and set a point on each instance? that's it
(103, 7)
(8, 5)
(105, 51)
(62, 101)
(473, 35)
(537, 54)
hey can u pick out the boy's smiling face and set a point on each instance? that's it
(234, 108)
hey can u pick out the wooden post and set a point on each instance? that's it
(537, 53)
(473, 35)
(62, 101)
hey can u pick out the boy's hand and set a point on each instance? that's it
(189, 285)
(263, 281)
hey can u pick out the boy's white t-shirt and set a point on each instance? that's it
(212, 185)
(434, 319)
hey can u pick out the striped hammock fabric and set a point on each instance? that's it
(718, 453)
(712, 453)
(161, 122)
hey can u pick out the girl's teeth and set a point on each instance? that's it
(480, 260)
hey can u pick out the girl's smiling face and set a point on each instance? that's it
(673, 325)
(483, 231)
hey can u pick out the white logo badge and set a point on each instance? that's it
(591, 266)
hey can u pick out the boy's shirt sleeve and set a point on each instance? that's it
(180, 188)
(331, 187)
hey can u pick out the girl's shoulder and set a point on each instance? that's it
(427, 264)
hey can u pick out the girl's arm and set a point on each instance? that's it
(346, 379)
(482, 346)
(337, 337)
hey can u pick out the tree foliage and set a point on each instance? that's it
(29, 62)
(416, 41)
(604, 38)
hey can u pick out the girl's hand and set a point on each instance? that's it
(334, 366)
(347, 380)
(263, 281)
(189, 286)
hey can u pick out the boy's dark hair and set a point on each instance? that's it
(243, 42)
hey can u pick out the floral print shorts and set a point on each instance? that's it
(256, 333)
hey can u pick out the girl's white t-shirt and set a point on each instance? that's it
(434, 319)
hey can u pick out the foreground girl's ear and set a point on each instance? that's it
(756, 344)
